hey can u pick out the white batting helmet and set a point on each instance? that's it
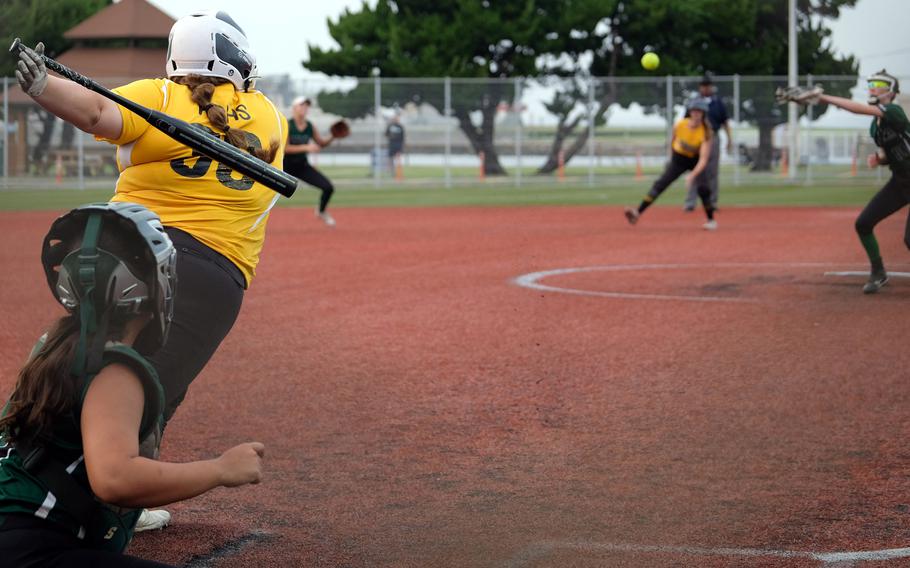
(210, 43)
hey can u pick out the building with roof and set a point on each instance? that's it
(121, 43)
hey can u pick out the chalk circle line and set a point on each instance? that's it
(533, 280)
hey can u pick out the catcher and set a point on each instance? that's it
(890, 130)
(303, 139)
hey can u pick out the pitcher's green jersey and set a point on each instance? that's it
(891, 133)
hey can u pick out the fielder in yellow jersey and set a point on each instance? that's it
(688, 138)
(691, 150)
(220, 208)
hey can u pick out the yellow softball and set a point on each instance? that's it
(650, 61)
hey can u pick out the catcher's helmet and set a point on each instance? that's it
(884, 77)
(211, 44)
(102, 286)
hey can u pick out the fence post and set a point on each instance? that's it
(482, 174)
(516, 108)
(80, 153)
(854, 168)
(5, 132)
(377, 161)
(591, 131)
(807, 142)
(736, 156)
(669, 104)
(447, 96)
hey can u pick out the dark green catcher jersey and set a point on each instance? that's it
(892, 134)
(21, 492)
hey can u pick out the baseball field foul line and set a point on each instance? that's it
(539, 551)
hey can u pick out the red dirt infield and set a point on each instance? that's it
(421, 409)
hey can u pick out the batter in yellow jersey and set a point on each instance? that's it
(219, 207)
(214, 217)
(691, 150)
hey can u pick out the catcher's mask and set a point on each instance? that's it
(104, 287)
(882, 79)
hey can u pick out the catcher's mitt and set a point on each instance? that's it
(800, 95)
(340, 129)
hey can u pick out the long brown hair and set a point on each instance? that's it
(44, 391)
(202, 90)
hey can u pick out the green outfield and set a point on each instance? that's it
(565, 193)
(424, 186)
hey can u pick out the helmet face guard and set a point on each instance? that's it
(211, 44)
(882, 79)
(105, 288)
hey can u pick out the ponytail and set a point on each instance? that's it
(202, 90)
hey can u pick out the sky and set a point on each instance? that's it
(279, 30)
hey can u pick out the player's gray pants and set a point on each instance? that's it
(710, 176)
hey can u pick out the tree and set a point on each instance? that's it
(42, 20)
(571, 42)
(46, 21)
(448, 38)
(746, 37)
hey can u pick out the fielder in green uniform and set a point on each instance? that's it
(890, 130)
(78, 435)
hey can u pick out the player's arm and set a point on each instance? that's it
(322, 142)
(850, 105)
(84, 109)
(111, 416)
(294, 148)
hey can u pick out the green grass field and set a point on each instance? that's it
(423, 187)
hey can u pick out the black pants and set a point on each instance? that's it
(677, 166)
(206, 304)
(29, 542)
(889, 200)
(312, 176)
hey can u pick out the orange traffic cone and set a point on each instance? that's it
(561, 172)
(784, 163)
(483, 166)
(399, 170)
(639, 173)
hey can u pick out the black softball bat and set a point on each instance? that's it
(185, 133)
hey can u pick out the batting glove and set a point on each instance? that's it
(31, 72)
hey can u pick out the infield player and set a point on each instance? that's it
(690, 151)
(890, 130)
(72, 470)
(215, 217)
(303, 139)
(717, 118)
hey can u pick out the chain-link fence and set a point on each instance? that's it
(596, 131)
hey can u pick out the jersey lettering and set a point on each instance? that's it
(239, 113)
(222, 172)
